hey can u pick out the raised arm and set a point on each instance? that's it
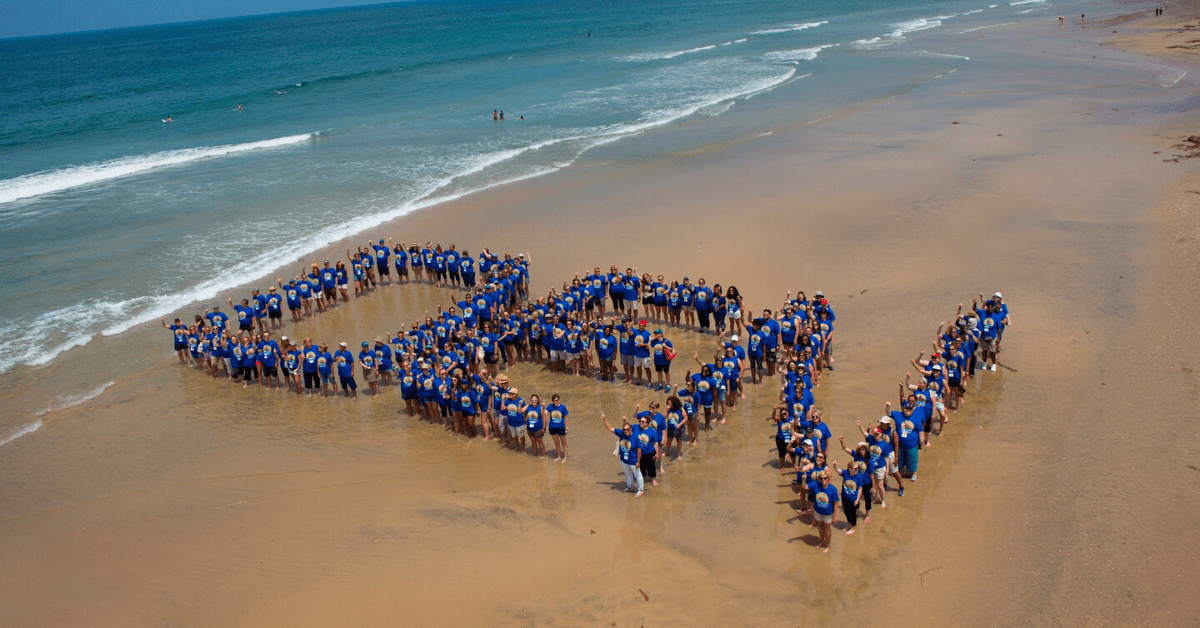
(842, 442)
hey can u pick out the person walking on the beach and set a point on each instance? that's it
(630, 455)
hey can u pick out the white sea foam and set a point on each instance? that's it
(24, 430)
(654, 56)
(901, 29)
(873, 43)
(1020, 2)
(47, 182)
(801, 54)
(789, 28)
(942, 55)
(67, 401)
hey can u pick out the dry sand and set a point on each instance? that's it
(1063, 493)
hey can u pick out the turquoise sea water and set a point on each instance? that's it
(110, 216)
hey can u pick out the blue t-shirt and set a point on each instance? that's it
(823, 499)
(660, 353)
(558, 415)
(625, 447)
(851, 485)
(345, 363)
(908, 430)
(533, 418)
(645, 439)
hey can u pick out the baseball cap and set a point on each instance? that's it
(283, 338)
(658, 331)
(936, 367)
(733, 338)
(885, 419)
(365, 344)
(818, 294)
(642, 322)
(341, 344)
(998, 295)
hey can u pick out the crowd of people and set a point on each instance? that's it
(799, 335)
(448, 367)
(891, 447)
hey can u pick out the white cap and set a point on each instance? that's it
(998, 295)
(341, 344)
(885, 419)
(733, 338)
(283, 338)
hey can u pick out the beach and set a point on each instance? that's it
(1061, 494)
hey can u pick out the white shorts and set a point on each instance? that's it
(516, 432)
(881, 473)
(822, 518)
(558, 356)
(734, 316)
(646, 363)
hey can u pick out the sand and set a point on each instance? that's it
(1062, 494)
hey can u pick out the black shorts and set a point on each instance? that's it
(294, 308)
(249, 372)
(771, 354)
(647, 301)
(675, 432)
(180, 346)
(384, 269)
(408, 396)
(441, 274)
(269, 371)
(246, 326)
(558, 431)
(489, 358)
(312, 380)
(402, 271)
(453, 274)
(781, 446)
(348, 383)
(662, 368)
(276, 314)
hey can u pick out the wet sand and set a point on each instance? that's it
(1062, 494)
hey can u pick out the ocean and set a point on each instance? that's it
(289, 132)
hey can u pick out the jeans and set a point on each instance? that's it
(632, 472)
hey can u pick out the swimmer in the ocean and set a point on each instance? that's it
(501, 114)
(168, 118)
(239, 106)
(494, 114)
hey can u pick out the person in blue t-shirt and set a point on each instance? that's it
(629, 453)
(179, 334)
(851, 491)
(400, 259)
(664, 352)
(606, 346)
(908, 438)
(556, 418)
(824, 498)
(345, 370)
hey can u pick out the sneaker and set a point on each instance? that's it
(667, 389)
(796, 481)
(658, 387)
(902, 492)
(993, 367)
(913, 478)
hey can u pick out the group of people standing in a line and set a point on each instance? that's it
(892, 446)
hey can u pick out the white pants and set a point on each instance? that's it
(632, 471)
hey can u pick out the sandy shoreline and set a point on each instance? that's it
(1061, 495)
